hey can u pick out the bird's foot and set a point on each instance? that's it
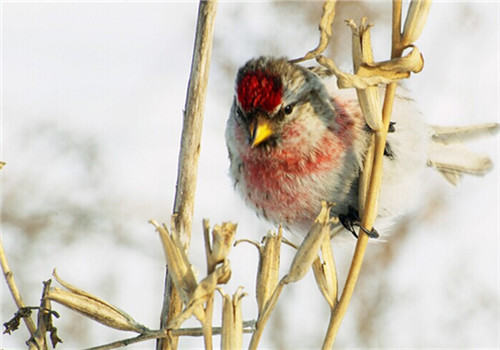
(352, 219)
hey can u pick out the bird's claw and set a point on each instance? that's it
(352, 219)
(373, 233)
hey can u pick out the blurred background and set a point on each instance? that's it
(91, 101)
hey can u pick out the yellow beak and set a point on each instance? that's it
(260, 130)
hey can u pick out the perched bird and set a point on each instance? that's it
(293, 143)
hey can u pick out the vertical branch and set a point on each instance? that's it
(40, 337)
(396, 28)
(190, 149)
(9, 278)
(193, 119)
(370, 205)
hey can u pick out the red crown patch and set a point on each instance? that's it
(259, 90)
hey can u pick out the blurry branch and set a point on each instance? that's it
(367, 75)
(16, 295)
(190, 149)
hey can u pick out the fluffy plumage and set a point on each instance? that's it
(317, 146)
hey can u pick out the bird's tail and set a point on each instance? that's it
(451, 158)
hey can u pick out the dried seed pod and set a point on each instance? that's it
(269, 264)
(308, 250)
(93, 307)
(415, 21)
(325, 273)
(203, 291)
(222, 239)
(232, 320)
(208, 285)
(180, 269)
(369, 99)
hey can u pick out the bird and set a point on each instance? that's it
(293, 142)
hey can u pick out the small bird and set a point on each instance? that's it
(292, 143)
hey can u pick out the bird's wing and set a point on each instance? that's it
(457, 134)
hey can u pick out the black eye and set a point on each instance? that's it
(288, 109)
(240, 113)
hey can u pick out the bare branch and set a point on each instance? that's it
(190, 148)
(160, 334)
(9, 278)
(370, 206)
(325, 29)
(193, 119)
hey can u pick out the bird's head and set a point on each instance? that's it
(271, 93)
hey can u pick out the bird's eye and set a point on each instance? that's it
(240, 113)
(288, 109)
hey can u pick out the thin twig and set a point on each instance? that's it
(190, 147)
(330, 333)
(209, 307)
(325, 27)
(397, 9)
(207, 324)
(124, 342)
(370, 212)
(11, 283)
(40, 338)
(161, 334)
(261, 321)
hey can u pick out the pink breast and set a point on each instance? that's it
(285, 183)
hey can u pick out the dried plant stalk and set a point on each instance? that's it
(193, 118)
(368, 98)
(325, 272)
(370, 205)
(303, 260)
(308, 250)
(268, 271)
(415, 22)
(190, 148)
(325, 28)
(232, 321)
(14, 291)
